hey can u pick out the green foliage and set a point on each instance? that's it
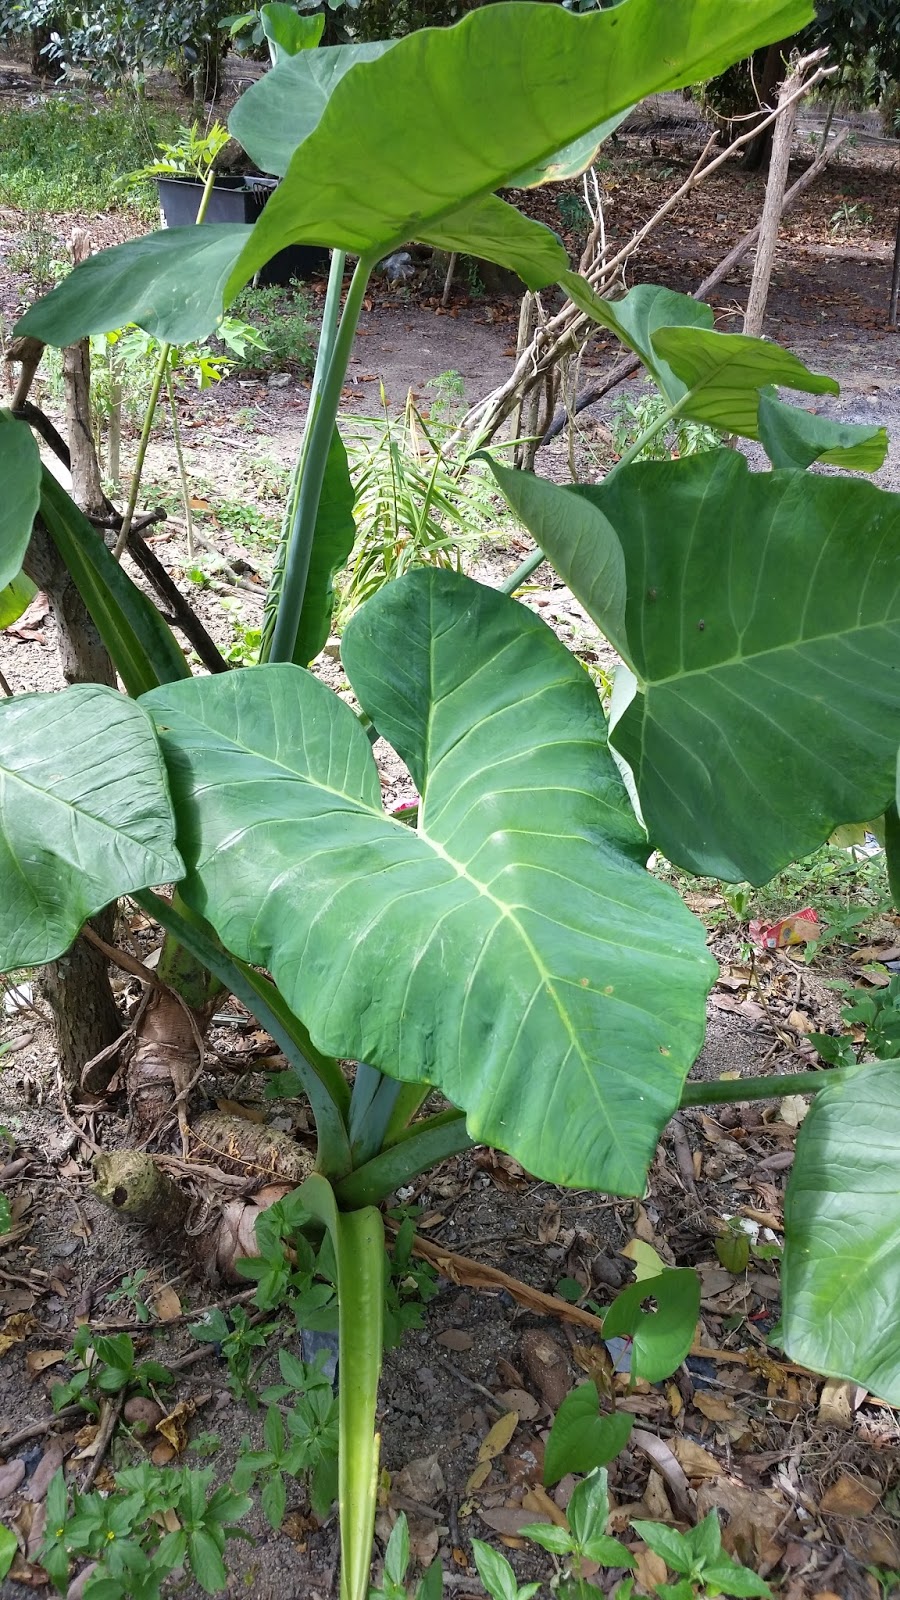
(66, 153)
(124, 1532)
(659, 1315)
(585, 1538)
(632, 419)
(131, 1290)
(417, 657)
(83, 792)
(697, 1556)
(841, 1265)
(419, 501)
(9, 1544)
(396, 1563)
(409, 1287)
(242, 1345)
(300, 1436)
(107, 1365)
(284, 326)
(497, 1575)
(581, 1438)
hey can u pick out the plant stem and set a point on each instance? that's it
(321, 1077)
(330, 319)
(179, 456)
(315, 455)
(424, 1144)
(735, 1091)
(158, 376)
(358, 1239)
(523, 573)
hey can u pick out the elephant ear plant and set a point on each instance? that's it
(508, 948)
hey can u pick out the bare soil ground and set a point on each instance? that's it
(806, 1475)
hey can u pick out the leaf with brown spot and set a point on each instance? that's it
(166, 1305)
(499, 1436)
(38, 1361)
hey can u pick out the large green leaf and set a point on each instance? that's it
(170, 283)
(287, 32)
(432, 126)
(142, 647)
(512, 950)
(20, 474)
(762, 623)
(282, 108)
(640, 314)
(841, 1269)
(792, 437)
(85, 815)
(572, 160)
(725, 371)
(16, 598)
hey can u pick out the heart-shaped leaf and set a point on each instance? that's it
(512, 950)
(287, 32)
(477, 107)
(840, 1274)
(84, 815)
(662, 1334)
(20, 473)
(792, 437)
(282, 108)
(762, 622)
(170, 283)
(724, 373)
(582, 1437)
(638, 316)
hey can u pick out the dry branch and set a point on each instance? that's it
(626, 365)
(564, 334)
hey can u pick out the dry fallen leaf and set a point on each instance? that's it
(173, 1428)
(793, 1109)
(836, 1403)
(166, 1305)
(478, 1476)
(713, 1406)
(696, 1462)
(850, 1497)
(650, 1569)
(521, 1401)
(15, 1329)
(39, 1360)
(500, 1434)
(421, 1479)
(455, 1339)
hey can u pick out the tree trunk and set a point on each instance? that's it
(757, 154)
(772, 208)
(76, 986)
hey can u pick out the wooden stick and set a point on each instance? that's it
(626, 365)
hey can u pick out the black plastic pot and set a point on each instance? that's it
(236, 199)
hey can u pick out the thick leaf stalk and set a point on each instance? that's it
(358, 1240)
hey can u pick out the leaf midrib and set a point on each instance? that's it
(792, 645)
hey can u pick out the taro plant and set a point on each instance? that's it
(502, 943)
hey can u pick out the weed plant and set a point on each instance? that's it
(283, 319)
(67, 154)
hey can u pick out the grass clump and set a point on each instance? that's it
(66, 154)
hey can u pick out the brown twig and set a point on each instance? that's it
(11, 1441)
(109, 1421)
(121, 958)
